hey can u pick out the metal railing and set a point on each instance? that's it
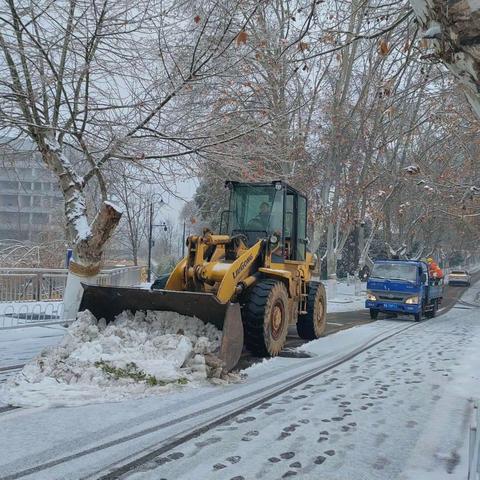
(19, 314)
(39, 284)
(24, 286)
(121, 276)
(31, 297)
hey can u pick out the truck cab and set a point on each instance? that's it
(403, 287)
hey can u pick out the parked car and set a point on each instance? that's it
(459, 277)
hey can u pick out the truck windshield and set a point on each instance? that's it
(395, 271)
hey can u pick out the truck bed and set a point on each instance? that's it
(435, 291)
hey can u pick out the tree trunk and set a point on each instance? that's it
(364, 257)
(87, 256)
(361, 246)
(453, 27)
(331, 254)
(88, 240)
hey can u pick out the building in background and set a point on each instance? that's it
(30, 199)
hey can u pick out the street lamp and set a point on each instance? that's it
(150, 242)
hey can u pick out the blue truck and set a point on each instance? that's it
(403, 287)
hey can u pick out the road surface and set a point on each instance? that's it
(387, 400)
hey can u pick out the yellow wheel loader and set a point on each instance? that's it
(252, 280)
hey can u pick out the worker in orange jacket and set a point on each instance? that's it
(433, 269)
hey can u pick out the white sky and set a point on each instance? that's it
(185, 192)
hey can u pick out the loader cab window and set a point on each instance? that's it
(295, 226)
(302, 228)
(258, 211)
(255, 211)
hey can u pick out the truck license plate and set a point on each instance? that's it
(390, 305)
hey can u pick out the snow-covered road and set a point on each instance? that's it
(22, 344)
(400, 409)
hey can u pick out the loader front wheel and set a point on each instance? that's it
(312, 324)
(265, 318)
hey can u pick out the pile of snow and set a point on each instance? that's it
(135, 355)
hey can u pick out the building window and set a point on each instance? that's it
(8, 201)
(40, 218)
(24, 201)
(24, 173)
(4, 185)
(9, 218)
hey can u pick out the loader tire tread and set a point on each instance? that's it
(253, 316)
(312, 324)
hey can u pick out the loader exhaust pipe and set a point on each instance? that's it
(108, 302)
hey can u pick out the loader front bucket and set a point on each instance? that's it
(108, 302)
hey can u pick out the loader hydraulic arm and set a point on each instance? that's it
(208, 271)
(239, 270)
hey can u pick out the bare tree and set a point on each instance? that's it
(134, 194)
(95, 82)
(453, 29)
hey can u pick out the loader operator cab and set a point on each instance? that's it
(268, 210)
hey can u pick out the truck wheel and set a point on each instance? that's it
(265, 318)
(433, 311)
(373, 314)
(312, 324)
(418, 316)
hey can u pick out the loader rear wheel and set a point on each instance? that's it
(265, 318)
(312, 324)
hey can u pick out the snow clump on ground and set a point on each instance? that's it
(136, 355)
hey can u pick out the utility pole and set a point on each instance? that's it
(150, 228)
(183, 240)
(150, 241)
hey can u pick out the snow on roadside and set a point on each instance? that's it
(20, 345)
(136, 355)
(341, 297)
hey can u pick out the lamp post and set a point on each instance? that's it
(150, 241)
(183, 239)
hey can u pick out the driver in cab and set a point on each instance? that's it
(261, 221)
